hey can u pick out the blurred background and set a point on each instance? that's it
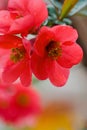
(65, 108)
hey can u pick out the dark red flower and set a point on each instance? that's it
(55, 52)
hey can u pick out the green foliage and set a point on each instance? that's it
(80, 8)
(67, 6)
(83, 11)
(54, 10)
(59, 13)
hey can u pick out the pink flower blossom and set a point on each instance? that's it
(26, 101)
(22, 17)
(55, 52)
(18, 63)
(18, 102)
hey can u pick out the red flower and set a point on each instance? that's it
(55, 52)
(26, 101)
(18, 63)
(3, 4)
(23, 16)
(18, 102)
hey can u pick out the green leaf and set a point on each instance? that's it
(52, 12)
(80, 6)
(67, 21)
(56, 3)
(83, 12)
(67, 6)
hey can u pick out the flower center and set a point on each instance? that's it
(17, 54)
(23, 100)
(54, 50)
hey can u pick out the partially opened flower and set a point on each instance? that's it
(22, 17)
(18, 63)
(55, 52)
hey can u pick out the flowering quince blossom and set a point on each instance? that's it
(18, 102)
(55, 52)
(18, 62)
(22, 16)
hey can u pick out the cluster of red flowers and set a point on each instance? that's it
(50, 54)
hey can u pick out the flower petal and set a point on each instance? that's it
(9, 41)
(57, 74)
(65, 33)
(38, 65)
(27, 45)
(38, 10)
(4, 55)
(5, 21)
(71, 55)
(12, 71)
(26, 75)
(19, 24)
(16, 5)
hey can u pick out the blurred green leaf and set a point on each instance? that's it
(52, 12)
(67, 6)
(67, 21)
(80, 7)
(51, 21)
(83, 12)
(56, 3)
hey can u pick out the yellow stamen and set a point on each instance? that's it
(17, 54)
(54, 50)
